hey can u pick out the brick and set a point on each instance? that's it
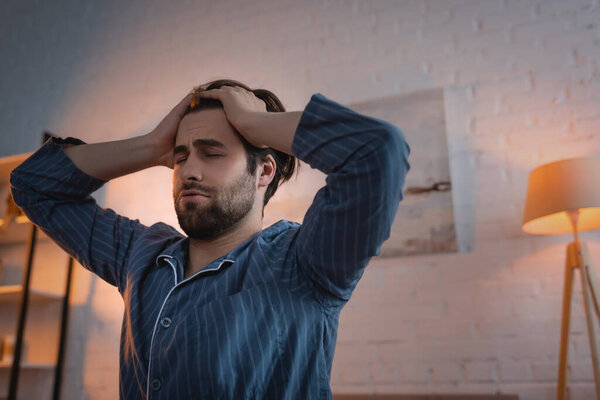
(553, 8)
(515, 371)
(400, 388)
(529, 139)
(509, 328)
(530, 390)
(468, 350)
(506, 18)
(465, 388)
(345, 388)
(364, 325)
(384, 372)
(355, 374)
(354, 353)
(524, 307)
(481, 371)
(581, 345)
(587, 128)
(415, 373)
(582, 391)
(525, 348)
(409, 351)
(501, 124)
(552, 26)
(482, 41)
(545, 371)
(444, 328)
(446, 372)
(584, 147)
(478, 308)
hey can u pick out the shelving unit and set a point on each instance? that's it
(21, 233)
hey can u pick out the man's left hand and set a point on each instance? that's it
(239, 106)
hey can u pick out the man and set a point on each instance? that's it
(229, 311)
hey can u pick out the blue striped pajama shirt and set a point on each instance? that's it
(260, 321)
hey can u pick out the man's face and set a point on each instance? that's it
(210, 158)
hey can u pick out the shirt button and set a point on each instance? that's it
(165, 322)
(156, 384)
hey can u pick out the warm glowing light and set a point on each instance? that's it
(562, 186)
(559, 223)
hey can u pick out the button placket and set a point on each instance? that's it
(155, 384)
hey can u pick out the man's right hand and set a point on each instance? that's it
(163, 136)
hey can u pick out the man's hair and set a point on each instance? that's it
(285, 163)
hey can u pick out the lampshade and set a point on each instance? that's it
(562, 186)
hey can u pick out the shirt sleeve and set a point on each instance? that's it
(366, 162)
(56, 196)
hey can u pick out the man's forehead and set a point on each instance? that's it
(212, 117)
(205, 123)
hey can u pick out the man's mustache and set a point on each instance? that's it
(195, 186)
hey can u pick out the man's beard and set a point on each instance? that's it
(226, 208)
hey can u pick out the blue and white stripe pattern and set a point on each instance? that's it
(260, 321)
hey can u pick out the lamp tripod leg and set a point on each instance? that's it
(587, 287)
(593, 283)
(566, 319)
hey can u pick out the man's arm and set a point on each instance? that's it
(366, 161)
(109, 160)
(53, 188)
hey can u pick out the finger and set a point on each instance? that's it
(186, 98)
(184, 103)
(212, 93)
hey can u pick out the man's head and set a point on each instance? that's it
(214, 159)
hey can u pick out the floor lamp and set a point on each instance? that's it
(564, 197)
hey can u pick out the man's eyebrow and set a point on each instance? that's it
(198, 143)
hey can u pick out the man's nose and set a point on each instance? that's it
(191, 170)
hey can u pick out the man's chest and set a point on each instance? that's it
(231, 336)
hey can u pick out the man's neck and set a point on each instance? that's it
(202, 252)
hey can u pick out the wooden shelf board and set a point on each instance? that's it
(12, 293)
(28, 365)
(19, 232)
(21, 219)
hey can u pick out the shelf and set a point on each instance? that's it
(19, 231)
(15, 237)
(12, 294)
(28, 365)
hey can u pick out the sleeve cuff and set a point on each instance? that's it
(51, 153)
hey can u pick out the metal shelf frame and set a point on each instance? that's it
(26, 293)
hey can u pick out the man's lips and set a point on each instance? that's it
(189, 195)
(192, 192)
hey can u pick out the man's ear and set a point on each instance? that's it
(266, 171)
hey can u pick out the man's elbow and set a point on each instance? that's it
(21, 192)
(395, 149)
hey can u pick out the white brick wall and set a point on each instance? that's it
(522, 80)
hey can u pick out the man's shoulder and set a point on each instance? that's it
(279, 230)
(277, 239)
(157, 237)
(161, 230)
(155, 240)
